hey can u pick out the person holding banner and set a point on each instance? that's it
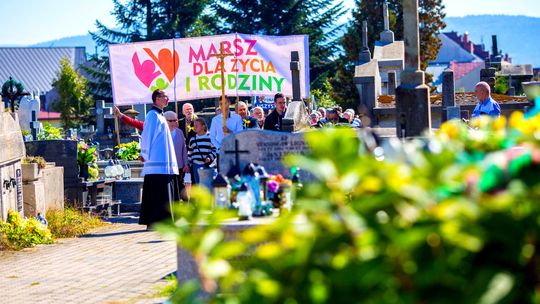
(273, 120)
(160, 166)
(217, 129)
(137, 124)
(247, 121)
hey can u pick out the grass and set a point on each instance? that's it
(71, 222)
(167, 290)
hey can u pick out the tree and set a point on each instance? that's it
(315, 18)
(74, 101)
(143, 20)
(431, 17)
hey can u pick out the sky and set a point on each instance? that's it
(26, 22)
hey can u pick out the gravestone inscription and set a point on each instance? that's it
(266, 148)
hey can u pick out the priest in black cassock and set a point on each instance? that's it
(160, 167)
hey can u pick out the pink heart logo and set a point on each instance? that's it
(146, 72)
(166, 61)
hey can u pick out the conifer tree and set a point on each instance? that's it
(316, 18)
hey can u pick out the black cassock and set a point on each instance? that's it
(159, 193)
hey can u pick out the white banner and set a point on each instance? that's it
(186, 68)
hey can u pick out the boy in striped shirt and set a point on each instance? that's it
(201, 152)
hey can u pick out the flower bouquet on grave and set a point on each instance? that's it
(277, 185)
(85, 156)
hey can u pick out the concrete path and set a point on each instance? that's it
(121, 263)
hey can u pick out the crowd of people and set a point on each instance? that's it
(174, 150)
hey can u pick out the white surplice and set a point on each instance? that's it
(157, 147)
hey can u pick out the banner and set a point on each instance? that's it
(188, 68)
(265, 102)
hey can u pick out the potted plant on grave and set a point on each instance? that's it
(86, 159)
(128, 151)
(31, 167)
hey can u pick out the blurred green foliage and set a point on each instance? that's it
(451, 219)
(49, 132)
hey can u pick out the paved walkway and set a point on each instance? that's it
(121, 263)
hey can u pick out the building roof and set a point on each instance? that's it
(452, 51)
(44, 115)
(36, 67)
(461, 69)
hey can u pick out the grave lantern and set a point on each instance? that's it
(263, 183)
(110, 170)
(243, 199)
(222, 192)
(251, 177)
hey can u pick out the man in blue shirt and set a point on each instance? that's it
(235, 124)
(486, 105)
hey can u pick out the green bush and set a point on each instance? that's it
(453, 219)
(17, 233)
(49, 132)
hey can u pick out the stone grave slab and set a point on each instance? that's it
(11, 152)
(266, 148)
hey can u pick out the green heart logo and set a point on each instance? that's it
(160, 84)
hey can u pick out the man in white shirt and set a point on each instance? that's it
(160, 166)
(217, 130)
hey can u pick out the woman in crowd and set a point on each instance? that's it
(201, 152)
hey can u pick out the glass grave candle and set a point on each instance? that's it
(222, 192)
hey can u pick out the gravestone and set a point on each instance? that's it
(11, 152)
(413, 113)
(266, 148)
(450, 111)
(296, 116)
(27, 105)
(391, 83)
(367, 78)
(389, 54)
(101, 113)
(64, 154)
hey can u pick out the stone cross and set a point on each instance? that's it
(392, 83)
(237, 153)
(387, 36)
(221, 57)
(365, 54)
(511, 89)
(35, 125)
(295, 71)
(413, 113)
(412, 74)
(101, 112)
(386, 17)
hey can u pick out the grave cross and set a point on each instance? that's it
(237, 153)
(221, 55)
